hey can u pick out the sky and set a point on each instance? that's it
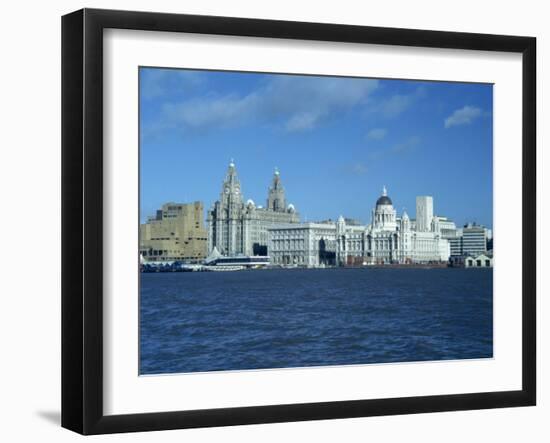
(335, 140)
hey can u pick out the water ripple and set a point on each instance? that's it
(293, 318)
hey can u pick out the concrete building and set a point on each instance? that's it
(470, 241)
(303, 244)
(474, 239)
(176, 232)
(424, 213)
(456, 245)
(387, 239)
(448, 227)
(236, 227)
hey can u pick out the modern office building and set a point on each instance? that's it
(175, 233)
(235, 227)
(474, 239)
(470, 241)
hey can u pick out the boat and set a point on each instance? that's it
(234, 262)
(227, 268)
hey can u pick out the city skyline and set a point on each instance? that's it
(336, 144)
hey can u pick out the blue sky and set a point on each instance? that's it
(336, 141)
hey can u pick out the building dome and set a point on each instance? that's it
(384, 199)
(291, 208)
(250, 203)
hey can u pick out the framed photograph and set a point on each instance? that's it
(269, 221)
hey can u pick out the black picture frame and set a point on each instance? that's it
(82, 218)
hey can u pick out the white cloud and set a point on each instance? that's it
(302, 122)
(463, 116)
(224, 111)
(397, 103)
(297, 103)
(377, 134)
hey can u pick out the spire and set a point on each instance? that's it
(276, 170)
(384, 191)
(231, 175)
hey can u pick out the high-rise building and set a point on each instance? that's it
(176, 232)
(235, 227)
(424, 213)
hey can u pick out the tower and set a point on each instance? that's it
(231, 197)
(276, 196)
(424, 213)
(224, 219)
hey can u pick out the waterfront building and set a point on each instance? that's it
(387, 239)
(303, 244)
(447, 227)
(236, 227)
(474, 239)
(453, 235)
(479, 261)
(471, 240)
(424, 213)
(456, 245)
(175, 233)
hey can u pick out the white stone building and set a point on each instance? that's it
(387, 239)
(235, 227)
(303, 244)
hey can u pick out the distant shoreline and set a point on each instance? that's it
(392, 267)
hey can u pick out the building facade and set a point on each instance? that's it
(387, 239)
(236, 227)
(474, 239)
(303, 244)
(424, 213)
(471, 240)
(175, 233)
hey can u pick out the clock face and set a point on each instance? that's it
(237, 190)
(227, 190)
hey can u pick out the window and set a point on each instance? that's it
(487, 262)
(478, 262)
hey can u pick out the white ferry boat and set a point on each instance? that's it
(218, 262)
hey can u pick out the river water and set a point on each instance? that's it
(213, 321)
